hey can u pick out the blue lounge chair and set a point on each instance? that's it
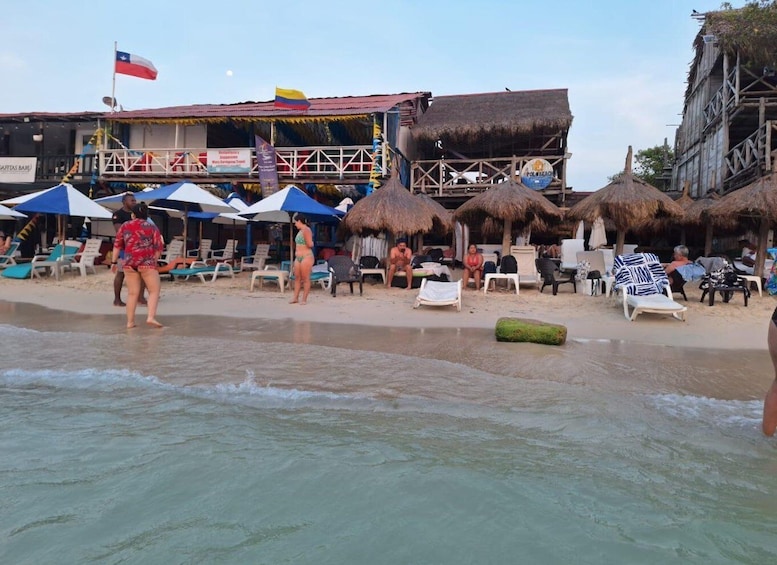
(60, 256)
(203, 271)
(7, 259)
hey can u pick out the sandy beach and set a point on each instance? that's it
(722, 326)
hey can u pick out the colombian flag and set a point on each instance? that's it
(288, 99)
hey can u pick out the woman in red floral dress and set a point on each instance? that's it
(143, 245)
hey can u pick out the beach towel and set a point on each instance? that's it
(640, 274)
(691, 272)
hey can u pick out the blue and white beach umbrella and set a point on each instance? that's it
(63, 200)
(8, 214)
(281, 206)
(184, 195)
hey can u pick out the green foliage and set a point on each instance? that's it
(649, 164)
(750, 30)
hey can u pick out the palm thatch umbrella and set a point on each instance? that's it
(392, 208)
(698, 214)
(627, 201)
(441, 216)
(509, 202)
(756, 200)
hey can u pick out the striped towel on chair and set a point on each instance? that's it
(640, 274)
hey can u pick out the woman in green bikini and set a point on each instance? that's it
(303, 260)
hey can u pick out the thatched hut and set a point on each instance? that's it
(757, 200)
(510, 202)
(393, 209)
(628, 201)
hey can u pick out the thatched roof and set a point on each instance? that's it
(758, 199)
(470, 117)
(442, 217)
(391, 208)
(509, 200)
(628, 201)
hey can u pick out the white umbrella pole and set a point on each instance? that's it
(185, 225)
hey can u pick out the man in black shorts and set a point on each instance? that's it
(124, 214)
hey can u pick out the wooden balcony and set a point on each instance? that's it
(751, 158)
(467, 177)
(345, 165)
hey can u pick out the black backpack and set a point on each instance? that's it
(509, 265)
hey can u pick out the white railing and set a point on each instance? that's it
(329, 163)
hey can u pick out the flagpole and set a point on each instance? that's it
(113, 92)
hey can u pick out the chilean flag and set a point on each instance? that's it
(129, 64)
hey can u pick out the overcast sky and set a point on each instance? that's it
(624, 62)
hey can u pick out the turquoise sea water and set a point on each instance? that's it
(174, 449)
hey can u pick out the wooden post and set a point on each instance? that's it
(708, 239)
(507, 235)
(760, 257)
(620, 239)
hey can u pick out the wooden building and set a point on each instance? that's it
(53, 140)
(334, 141)
(465, 144)
(727, 135)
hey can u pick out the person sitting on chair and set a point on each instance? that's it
(749, 250)
(400, 258)
(473, 266)
(679, 258)
(5, 243)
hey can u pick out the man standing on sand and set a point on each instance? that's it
(124, 214)
(400, 258)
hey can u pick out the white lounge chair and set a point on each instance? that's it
(226, 254)
(645, 287)
(202, 252)
(257, 260)
(569, 250)
(174, 251)
(527, 267)
(436, 293)
(84, 260)
(596, 261)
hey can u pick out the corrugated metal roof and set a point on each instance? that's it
(343, 106)
(51, 117)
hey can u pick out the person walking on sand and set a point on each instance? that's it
(400, 258)
(142, 245)
(303, 259)
(120, 217)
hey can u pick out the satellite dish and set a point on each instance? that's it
(110, 102)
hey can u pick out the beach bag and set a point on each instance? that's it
(489, 267)
(509, 265)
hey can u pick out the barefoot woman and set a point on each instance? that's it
(303, 260)
(142, 244)
(770, 402)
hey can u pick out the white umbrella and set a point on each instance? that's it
(24, 198)
(598, 237)
(580, 233)
(8, 214)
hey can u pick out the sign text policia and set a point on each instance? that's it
(537, 174)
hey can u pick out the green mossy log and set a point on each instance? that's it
(534, 331)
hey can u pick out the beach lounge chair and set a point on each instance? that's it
(226, 254)
(203, 271)
(437, 293)
(60, 256)
(8, 259)
(174, 251)
(84, 259)
(644, 286)
(551, 276)
(569, 251)
(525, 256)
(202, 252)
(257, 260)
(343, 270)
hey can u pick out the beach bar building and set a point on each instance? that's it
(728, 134)
(342, 141)
(465, 144)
